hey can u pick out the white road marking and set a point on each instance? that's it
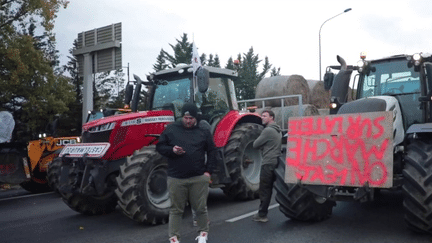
(249, 214)
(31, 195)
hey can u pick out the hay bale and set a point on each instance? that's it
(324, 112)
(281, 86)
(290, 111)
(319, 97)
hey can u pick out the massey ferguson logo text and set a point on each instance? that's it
(154, 119)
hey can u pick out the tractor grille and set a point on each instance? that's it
(96, 137)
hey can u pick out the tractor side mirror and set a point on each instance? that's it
(428, 67)
(328, 80)
(128, 93)
(203, 76)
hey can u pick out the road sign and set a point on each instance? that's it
(98, 50)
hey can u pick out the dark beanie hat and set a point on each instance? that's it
(190, 109)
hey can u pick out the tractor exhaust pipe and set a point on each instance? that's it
(339, 89)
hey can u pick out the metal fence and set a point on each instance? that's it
(243, 106)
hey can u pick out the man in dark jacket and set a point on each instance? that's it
(185, 144)
(269, 142)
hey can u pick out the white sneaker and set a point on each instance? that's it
(174, 240)
(202, 238)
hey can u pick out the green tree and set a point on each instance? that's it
(160, 61)
(108, 88)
(182, 52)
(31, 89)
(213, 61)
(72, 118)
(249, 75)
(275, 72)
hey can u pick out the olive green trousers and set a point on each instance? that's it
(193, 190)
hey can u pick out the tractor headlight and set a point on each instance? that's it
(103, 128)
(361, 64)
(417, 59)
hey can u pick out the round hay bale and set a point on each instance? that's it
(290, 111)
(319, 97)
(281, 86)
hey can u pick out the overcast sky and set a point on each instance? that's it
(286, 31)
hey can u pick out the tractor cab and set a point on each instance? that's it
(402, 78)
(212, 90)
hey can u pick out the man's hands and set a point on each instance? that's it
(178, 150)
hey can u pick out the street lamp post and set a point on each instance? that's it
(346, 10)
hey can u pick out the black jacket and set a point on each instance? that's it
(196, 142)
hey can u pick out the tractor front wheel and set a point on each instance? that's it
(142, 187)
(298, 203)
(418, 185)
(54, 173)
(91, 204)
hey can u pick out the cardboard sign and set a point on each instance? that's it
(346, 150)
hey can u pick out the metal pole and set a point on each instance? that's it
(319, 40)
(87, 87)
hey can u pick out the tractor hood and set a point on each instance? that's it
(124, 119)
(126, 132)
(375, 104)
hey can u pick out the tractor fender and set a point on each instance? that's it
(227, 124)
(420, 128)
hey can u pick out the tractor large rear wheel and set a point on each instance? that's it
(417, 186)
(243, 162)
(142, 187)
(298, 203)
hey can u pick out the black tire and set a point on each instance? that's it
(298, 203)
(417, 186)
(243, 162)
(38, 182)
(142, 187)
(92, 205)
(54, 173)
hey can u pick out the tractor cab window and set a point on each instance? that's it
(171, 95)
(390, 78)
(216, 100)
(94, 116)
(394, 78)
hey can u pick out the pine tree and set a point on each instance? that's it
(230, 64)
(248, 74)
(160, 62)
(216, 61)
(275, 72)
(72, 118)
(210, 61)
(182, 52)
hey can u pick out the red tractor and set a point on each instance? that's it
(117, 163)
